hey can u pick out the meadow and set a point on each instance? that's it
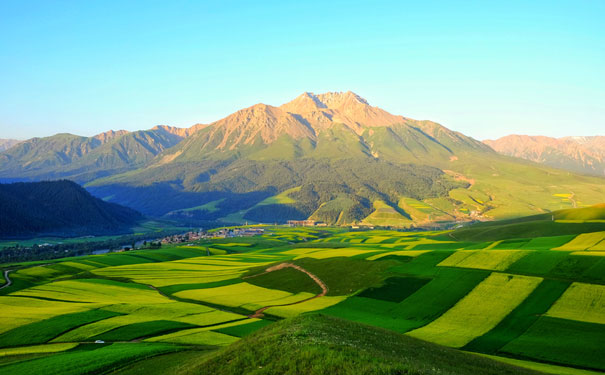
(538, 302)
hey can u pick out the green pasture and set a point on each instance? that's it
(529, 299)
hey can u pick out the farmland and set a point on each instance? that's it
(534, 302)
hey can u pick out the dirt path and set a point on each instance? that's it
(324, 288)
(8, 280)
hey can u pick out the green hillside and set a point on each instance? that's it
(556, 223)
(343, 158)
(318, 344)
(83, 158)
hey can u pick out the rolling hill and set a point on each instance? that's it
(335, 158)
(319, 344)
(60, 208)
(556, 223)
(577, 154)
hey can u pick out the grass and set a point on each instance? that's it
(197, 336)
(483, 259)
(45, 330)
(520, 319)
(88, 360)
(47, 348)
(420, 308)
(480, 311)
(384, 214)
(242, 330)
(583, 241)
(395, 289)
(143, 329)
(583, 302)
(167, 364)
(244, 295)
(317, 344)
(286, 279)
(562, 341)
(405, 282)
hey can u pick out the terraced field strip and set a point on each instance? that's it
(497, 260)
(34, 349)
(521, 318)
(404, 253)
(480, 311)
(583, 241)
(583, 302)
(244, 295)
(562, 341)
(324, 288)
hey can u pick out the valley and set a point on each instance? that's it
(480, 303)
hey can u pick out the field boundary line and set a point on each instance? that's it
(324, 288)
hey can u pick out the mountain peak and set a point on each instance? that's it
(310, 102)
(340, 99)
(108, 135)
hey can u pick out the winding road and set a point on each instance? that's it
(324, 288)
(8, 280)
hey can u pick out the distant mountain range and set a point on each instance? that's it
(576, 154)
(60, 208)
(84, 159)
(330, 157)
(5, 144)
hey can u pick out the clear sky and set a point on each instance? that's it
(484, 68)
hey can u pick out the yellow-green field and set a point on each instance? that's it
(493, 297)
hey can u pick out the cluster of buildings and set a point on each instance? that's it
(221, 233)
(306, 223)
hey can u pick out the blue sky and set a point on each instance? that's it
(484, 68)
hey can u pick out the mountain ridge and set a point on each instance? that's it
(577, 154)
(332, 157)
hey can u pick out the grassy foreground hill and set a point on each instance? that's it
(319, 344)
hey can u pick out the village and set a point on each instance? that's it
(204, 235)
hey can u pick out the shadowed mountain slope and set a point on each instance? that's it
(58, 208)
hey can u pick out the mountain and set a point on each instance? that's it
(577, 154)
(5, 144)
(86, 158)
(58, 208)
(335, 158)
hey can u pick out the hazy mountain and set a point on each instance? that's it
(86, 158)
(577, 154)
(58, 208)
(334, 157)
(5, 144)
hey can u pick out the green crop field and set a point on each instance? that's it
(536, 302)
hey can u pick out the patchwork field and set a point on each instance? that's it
(521, 300)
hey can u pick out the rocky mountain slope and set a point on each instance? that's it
(335, 158)
(577, 154)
